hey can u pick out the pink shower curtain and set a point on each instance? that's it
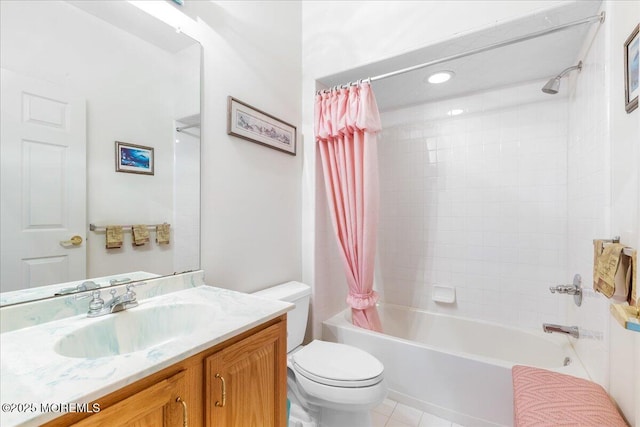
(346, 123)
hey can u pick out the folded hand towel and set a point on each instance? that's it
(114, 236)
(163, 234)
(606, 263)
(140, 234)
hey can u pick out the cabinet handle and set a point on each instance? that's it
(224, 392)
(184, 411)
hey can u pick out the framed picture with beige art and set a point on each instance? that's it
(247, 122)
(632, 70)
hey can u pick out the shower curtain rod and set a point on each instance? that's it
(181, 128)
(600, 18)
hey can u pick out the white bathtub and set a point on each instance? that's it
(458, 369)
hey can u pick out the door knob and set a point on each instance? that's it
(75, 241)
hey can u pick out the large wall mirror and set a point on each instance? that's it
(78, 76)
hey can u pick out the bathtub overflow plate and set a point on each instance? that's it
(577, 296)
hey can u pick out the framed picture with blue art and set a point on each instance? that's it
(632, 70)
(131, 158)
(247, 122)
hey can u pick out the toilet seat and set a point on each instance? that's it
(337, 365)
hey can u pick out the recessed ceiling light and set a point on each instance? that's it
(440, 77)
(455, 112)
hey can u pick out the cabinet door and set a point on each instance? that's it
(246, 382)
(153, 406)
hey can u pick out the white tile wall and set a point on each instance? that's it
(589, 202)
(478, 202)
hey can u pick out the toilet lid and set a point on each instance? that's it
(337, 364)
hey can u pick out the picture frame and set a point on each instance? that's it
(631, 70)
(132, 158)
(247, 122)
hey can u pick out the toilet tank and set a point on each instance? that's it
(299, 294)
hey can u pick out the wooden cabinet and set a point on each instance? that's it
(243, 382)
(158, 405)
(249, 368)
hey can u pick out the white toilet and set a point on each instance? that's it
(336, 384)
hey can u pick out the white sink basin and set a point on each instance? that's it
(135, 330)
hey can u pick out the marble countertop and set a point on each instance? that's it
(35, 375)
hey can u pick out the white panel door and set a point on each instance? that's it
(43, 183)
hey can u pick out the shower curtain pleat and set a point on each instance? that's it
(346, 125)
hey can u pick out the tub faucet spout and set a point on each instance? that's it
(569, 330)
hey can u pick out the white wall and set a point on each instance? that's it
(338, 36)
(186, 160)
(624, 137)
(250, 193)
(186, 181)
(476, 202)
(603, 170)
(186, 81)
(119, 75)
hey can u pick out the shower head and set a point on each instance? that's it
(553, 85)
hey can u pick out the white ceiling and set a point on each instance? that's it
(537, 59)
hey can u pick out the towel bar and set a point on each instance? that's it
(628, 251)
(616, 239)
(94, 227)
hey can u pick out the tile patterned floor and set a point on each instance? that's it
(393, 414)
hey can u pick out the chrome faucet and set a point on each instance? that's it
(574, 289)
(84, 286)
(97, 306)
(569, 330)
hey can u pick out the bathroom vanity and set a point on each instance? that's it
(240, 382)
(200, 356)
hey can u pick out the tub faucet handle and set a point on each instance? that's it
(96, 304)
(574, 289)
(564, 289)
(130, 287)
